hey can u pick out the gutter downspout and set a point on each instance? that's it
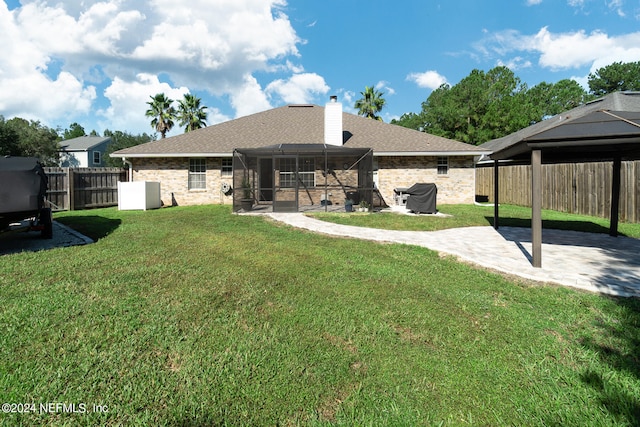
(124, 160)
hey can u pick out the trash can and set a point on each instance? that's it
(355, 196)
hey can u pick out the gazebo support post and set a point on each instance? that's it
(536, 207)
(496, 191)
(615, 196)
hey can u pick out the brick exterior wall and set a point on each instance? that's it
(173, 175)
(457, 186)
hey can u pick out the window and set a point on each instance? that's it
(287, 173)
(197, 174)
(306, 172)
(96, 157)
(443, 165)
(227, 167)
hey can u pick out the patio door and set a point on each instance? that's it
(285, 178)
(266, 175)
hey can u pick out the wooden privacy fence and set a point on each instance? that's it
(83, 188)
(580, 188)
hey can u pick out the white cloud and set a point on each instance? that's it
(576, 3)
(249, 97)
(533, 2)
(128, 102)
(515, 63)
(348, 99)
(558, 51)
(617, 6)
(582, 81)
(428, 80)
(384, 87)
(299, 89)
(70, 48)
(26, 91)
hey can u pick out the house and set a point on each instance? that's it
(84, 151)
(198, 167)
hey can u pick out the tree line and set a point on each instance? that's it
(30, 138)
(489, 105)
(481, 107)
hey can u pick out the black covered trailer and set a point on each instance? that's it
(23, 187)
(422, 198)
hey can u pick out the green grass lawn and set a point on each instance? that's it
(474, 215)
(196, 317)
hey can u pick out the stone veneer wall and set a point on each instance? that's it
(458, 186)
(173, 175)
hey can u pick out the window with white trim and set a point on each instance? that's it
(227, 166)
(96, 158)
(443, 165)
(306, 172)
(197, 174)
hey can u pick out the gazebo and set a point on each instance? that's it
(301, 177)
(604, 130)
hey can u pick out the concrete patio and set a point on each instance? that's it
(587, 261)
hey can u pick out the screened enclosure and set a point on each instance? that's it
(301, 177)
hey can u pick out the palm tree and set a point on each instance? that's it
(162, 113)
(371, 103)
(191, 114)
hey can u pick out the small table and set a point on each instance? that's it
(401, 196)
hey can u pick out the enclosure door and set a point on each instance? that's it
(285, 177)
(266, 180)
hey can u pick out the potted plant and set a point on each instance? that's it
(348, 205)
(246, 202)
(364, 206)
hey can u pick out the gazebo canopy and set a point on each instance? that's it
(598, 136)
(607, 129)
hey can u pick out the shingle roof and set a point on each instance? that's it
(83, 143)
(617, 101)
(298, 124)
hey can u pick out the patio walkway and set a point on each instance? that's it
(588, 261)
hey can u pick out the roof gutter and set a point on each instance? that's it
(170, 155)
(431, 153)
(375, 153)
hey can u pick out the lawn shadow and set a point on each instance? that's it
(585, 226)
(618, 347)
(93, 226)
(617, 343)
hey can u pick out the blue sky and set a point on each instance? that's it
(97, 62)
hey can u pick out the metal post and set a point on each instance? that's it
(496, 191)
(615, 197)
(326, 181)
(71, 193)
(536, 207)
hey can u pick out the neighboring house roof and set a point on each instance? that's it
(298, 124)
(615, 102)
(83, 143)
